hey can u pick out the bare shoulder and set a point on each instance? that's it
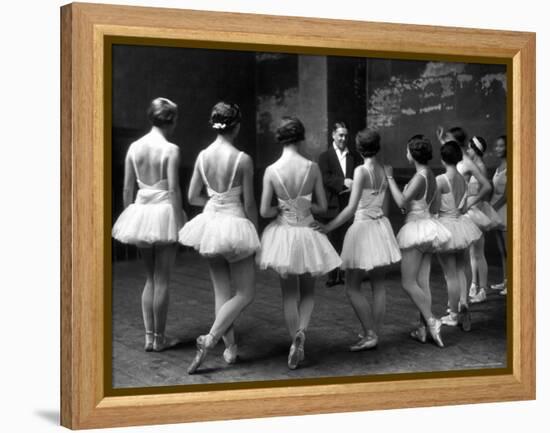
(172, 147)
(246, 162)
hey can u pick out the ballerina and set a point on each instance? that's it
(226, 231)
(152, 220)
(475, 150)
(468, 169)
(369, 243)
(290, 246)
(454, 192)
(498, 201)
(420, 236)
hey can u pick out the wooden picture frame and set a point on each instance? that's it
(85, 227)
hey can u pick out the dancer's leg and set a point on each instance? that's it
(221, 280)
(164, 261)
(358, 301)
(410, 270)
(307, 300)
(244, 279)
(448, 263)
(378, 283)
(147, 296)
(291, 298)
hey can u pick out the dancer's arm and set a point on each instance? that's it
(402, 199)
(174, 188)
(248, 190)
(195, 195)
(320, 204)
(484, 183)
(129, 182)
(266, 209)
(358, 185)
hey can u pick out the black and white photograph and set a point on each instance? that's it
(281, 216)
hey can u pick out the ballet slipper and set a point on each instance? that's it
(204, 343)
(434, 326)
(296, 353)
(419, 334)
(161, 342)
(148, 341)
(230, 354)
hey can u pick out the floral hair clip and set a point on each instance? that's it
(219, 125)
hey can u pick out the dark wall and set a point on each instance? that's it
(346, 94)
(195, 79)
(414, 97)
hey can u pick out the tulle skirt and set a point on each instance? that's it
(426, 234)
(463, 233)
(484, 216)
(502, 213)
(146, 224)
(370, 244)
(221, 234)
(289, 249)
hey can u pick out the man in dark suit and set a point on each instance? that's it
(337, 165)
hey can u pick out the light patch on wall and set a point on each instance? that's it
(262, 57)
(487, 80)
(408, 111)
(440, 69)
(463, 79)
(431, 108)
(271, 108)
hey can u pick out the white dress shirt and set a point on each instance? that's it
(341, 154)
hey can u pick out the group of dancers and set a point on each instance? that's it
(446, 215)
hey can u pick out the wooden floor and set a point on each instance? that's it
(263, 339)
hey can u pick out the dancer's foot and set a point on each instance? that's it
(480, 297)
(419, 334)
(503, 292)
(204, 343)
(296, 352)
(365, 343)
(148, 341)
(162, 342)
(499, 286)
(230, 354)
(473, 290)
(450, 319)
(434, 326)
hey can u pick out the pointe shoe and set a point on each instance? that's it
(434, 326)
(161, 342)
(473, 290)
(204, 343)
(419, 334)
(148, 341)
(499, 286)
(230, 354)
(450, 319)
(296, 353)
(504, 291)
(480, 297)
(365, 343)
(464, 317)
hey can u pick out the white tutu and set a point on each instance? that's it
(426, 234)
(484, 216)
(296, 249)
(221, 234)
(150, 220)
(464, 233)
(503, 218)
(370, 244)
